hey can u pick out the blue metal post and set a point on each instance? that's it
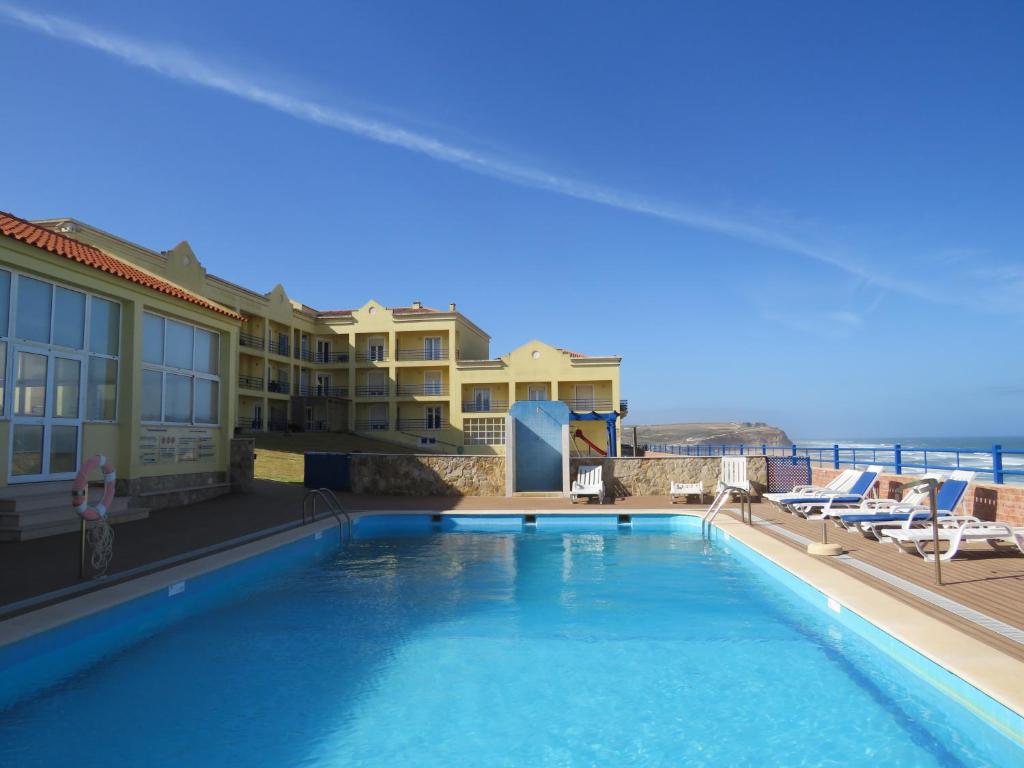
(835, 456)
(794, 451)
(764, 449)
(897, 457)
(997, 464)
(741, 449)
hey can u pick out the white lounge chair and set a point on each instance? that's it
(874, 506)
(879, 522)
(679, 491)
(588, 484)
(956, 531)
(839, 483)
(804, 505)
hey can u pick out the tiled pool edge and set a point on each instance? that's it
(972, 673)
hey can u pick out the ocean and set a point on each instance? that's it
(975, 452)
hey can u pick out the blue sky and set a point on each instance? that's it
(802, 213)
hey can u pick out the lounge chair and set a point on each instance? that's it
(907, 516)
(679, 491)
(840, 482)
(966, 529)
(803, 504)
(588, 484)
(874, 506)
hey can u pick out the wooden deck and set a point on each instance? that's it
(979, 577)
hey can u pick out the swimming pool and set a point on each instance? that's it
(577, 642)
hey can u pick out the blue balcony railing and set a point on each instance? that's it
(987, 462)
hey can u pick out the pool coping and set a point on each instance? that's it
(987, 669)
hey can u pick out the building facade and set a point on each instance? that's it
(415, 376)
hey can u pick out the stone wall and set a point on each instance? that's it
(243, 464)
(653, 476)
(427, 475)
(987, 501)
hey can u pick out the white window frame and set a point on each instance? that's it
(166, 370)
(432, 346)
(434, 386)
(536, 388)
(428, 417)
(578, 398)
(489, 430)
(12, 341)
(482, 399)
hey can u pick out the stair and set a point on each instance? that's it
(35, 510)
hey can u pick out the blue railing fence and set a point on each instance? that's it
(988, 462)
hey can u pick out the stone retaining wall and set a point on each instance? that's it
(653, 476)
(427, 475)
(987, 501)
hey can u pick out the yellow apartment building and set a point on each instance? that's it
(97, 356)
(412, 375)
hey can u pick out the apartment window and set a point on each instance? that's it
(323, 385)
(489, 431)
(375, 348)
(323, 350)
(5, 314)
(434, 416)
(180, 381)
(432, 383)
(432, 348)
(537, 392)
(482, 398)
(101, 376)
(584, 399)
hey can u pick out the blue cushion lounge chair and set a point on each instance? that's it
(824, 502)
(949, 497)
(839, 483)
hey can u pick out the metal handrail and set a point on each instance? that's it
(719, 504)
(333, 506)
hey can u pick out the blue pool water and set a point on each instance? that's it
(556, 647)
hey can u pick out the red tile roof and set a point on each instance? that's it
(62, 245)
(570, 353)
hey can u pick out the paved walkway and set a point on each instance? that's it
(31, 568)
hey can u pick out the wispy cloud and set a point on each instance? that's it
(183, 65)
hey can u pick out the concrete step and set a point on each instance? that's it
(40, 495)
(59, 510)
(40, 529)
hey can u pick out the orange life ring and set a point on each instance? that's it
(79, 495)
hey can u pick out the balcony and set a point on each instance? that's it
(374, 390)
(279, 386)
(330, 357)
(316, 426)
(249, 340)
(282, 348)
(423, 354)
(485, 406)
(304, 354)
(422, 425)
(427, 390)
(371, 357)
(249, 424)
(277, 425)
(623, 407)
(587, 404)
(319, 390)
(371, 425)
(251, 382)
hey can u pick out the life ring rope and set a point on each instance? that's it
(80, 486)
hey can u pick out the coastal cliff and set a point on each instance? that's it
(716, 433)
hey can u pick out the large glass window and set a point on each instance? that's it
(5, 300)
(180, 384)
(101, 389)
(104, 326)
(3, 376)
(69, 318)
(30, 385)
(489, 431)
(67, 377)
(32, 315)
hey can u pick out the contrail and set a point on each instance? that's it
(183, 65)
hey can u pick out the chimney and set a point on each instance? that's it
(451, 307)
(417, 305)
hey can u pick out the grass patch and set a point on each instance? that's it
(279, 456)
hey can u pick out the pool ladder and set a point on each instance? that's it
(724, 494)
(327, 496)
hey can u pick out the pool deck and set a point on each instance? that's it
(979, 580)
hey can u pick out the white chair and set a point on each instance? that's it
(839, 483)
(734, 473)
(588, 484)
(964, 529)
(679, 491)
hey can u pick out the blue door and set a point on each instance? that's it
(538, 444)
